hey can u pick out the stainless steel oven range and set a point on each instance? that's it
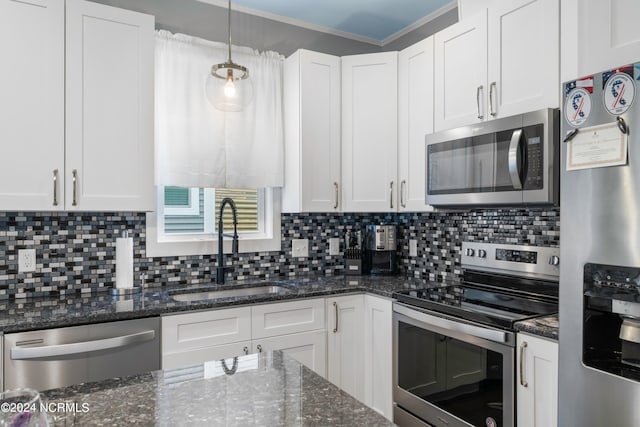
(454, 345)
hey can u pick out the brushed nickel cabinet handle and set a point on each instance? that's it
(245, 349)
(402, 185)
(75, 187)
(335, 185)
(492, 87)
(55, 187)
(391, 195)
(335, 307)
(259, 347)
(480, 89)
(523, 383)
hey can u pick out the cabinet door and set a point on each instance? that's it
(109, 108)
(415, 120)
(32, 105)
(268, 320)
(461, 73)
(378, 367)
(345, 344)
(537, 382)
(524, 55)
(369, 132)
(308, 348)
(191, 337)
(312, 132)
(598, 35)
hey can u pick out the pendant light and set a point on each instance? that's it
(228, 86)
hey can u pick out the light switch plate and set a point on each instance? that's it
(334, 246)
(413, 247)
(26, 260)
(300, 248)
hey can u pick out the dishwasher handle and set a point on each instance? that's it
(18, 353)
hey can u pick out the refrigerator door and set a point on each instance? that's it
(600, 223)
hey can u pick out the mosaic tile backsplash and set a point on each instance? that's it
(76, 252)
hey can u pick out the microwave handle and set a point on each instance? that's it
(514, 169)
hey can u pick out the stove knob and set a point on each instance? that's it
(482, 253)
(554, 260)
(470, 252)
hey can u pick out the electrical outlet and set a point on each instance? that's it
(413, 247)
(26, 260)
(300, 248)
(334, 246)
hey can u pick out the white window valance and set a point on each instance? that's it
(199, 146)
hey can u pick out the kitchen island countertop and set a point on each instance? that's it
(264, 389)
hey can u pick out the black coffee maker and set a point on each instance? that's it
(380, 250)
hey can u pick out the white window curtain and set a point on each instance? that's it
(199, 146)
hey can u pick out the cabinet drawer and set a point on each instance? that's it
(183, 332)
(287, 318)
(200, 355)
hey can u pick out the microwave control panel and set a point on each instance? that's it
(533, 141)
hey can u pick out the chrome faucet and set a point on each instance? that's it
(221, 268)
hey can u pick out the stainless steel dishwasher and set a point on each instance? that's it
(59, 357)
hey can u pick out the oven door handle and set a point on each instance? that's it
(452, 325)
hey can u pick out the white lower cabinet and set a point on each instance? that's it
(537, 382)
(296, 327)
(359, 339)
(378, 354)
(345, 344)
(308, 348)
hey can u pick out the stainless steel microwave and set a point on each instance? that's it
(510, 161)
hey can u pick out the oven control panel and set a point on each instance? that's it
(535, 261)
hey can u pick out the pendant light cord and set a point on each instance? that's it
(229, 29)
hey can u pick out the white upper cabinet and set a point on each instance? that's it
(415, 120)
(598, 35)
(109, 108)
(76, 135)
(312, 132)
(524, 56)
(498, 63)
(369, 132)
(461, 73)
(32, 104)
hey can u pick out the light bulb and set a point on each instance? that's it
(230, 89)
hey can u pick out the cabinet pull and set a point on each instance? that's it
(75, 187)
(492, 88)
(335, 307)
(245, 349)
(391, 195)
(480, 89)
(335, 186)
(523, 383)
(55, 187)
(402, 185)
(259, 347)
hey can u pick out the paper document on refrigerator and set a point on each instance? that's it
(597, 147)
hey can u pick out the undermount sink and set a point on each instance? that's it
(200, 294)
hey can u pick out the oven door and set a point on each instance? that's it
(451, 373)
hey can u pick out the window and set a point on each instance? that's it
(186, 222)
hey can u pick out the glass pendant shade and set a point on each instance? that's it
(228, 87)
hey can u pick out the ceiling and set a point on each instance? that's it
(373, 21)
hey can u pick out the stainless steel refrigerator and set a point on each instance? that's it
(599, 372)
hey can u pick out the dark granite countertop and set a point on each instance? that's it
(66, 310)
(546, 326)
(267, 389)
